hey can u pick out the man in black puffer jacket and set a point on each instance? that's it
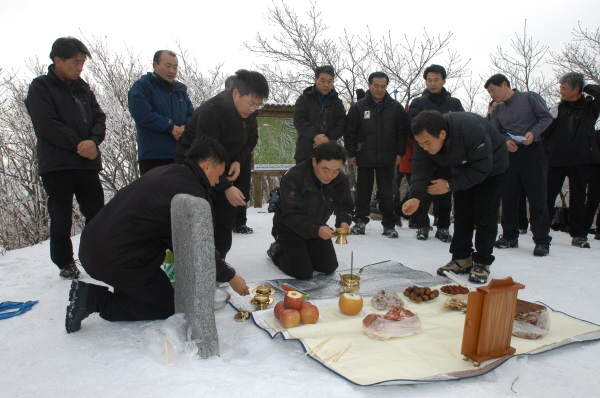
(319, 114)
(69, 126)
(310, 192)
(477, 155)
(435, 98)
(376, 132)
(572, 149)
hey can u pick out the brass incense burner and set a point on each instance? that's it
(341, 234)
(350, 283)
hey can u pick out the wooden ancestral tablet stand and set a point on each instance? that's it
(489, 321)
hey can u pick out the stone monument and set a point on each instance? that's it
(194, 249)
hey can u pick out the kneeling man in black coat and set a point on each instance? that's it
(124, 245)
(310, 192)
(477, 155)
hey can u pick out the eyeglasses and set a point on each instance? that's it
(252, 105)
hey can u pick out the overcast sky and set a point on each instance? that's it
(213, 31)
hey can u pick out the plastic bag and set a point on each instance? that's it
(170, 342)
(380, 327)
(527, 330)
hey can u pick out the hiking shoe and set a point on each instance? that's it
(479, 273)
(243, 229)
(359, 228)
(443, 234)
(423, 233)
(274, 249)
(76, 311)
(390, 233)
(461, 266)
(580, 242)
(70, 272)
(503, 243)
(541, 250)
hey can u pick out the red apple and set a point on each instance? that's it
(289, 318)
(309, 314)
(293, 300)
(307, 304)
(279, 308)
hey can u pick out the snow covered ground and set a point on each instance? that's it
(39, 359)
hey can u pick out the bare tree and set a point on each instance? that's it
(475, 97)
(200, 86)
(581, 55)
(522, 66)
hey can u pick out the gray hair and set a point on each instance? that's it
(573, 79)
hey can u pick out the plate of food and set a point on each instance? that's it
(364, 312)
(418, 294)
(454, 290)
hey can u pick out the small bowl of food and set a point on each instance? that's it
(221, 298)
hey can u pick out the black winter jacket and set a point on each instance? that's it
(219, 119)
(569, 140)
(311, 119)
(442, 102)
(64, 115)
(473, 149)
(376, 132)
(305, 204)
(125, 242)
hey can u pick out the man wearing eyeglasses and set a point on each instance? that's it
(230, 118)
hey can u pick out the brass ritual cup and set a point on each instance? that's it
(341, 234)
(263, 289)
(350, 283)
(261, 301)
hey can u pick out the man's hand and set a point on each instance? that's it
(235, 197)
(177, 131)
(528, 138)
(410, 206)
(87, 149)
(234, 171)
(438, 187)
(512, 147)
(326, 233)
(320, 139)
(345, 225)
(238, 284)
(398, 158)
(352, 160)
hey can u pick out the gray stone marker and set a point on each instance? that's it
(194, 249)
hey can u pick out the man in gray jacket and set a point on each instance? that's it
(477, 155)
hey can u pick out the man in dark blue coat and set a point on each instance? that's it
(160, 107)
(477, 155)
(377, 129)
(69, 126)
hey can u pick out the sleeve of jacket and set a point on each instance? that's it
(225, 272)
(539, 107)
(302, 119)
(291, 204)
(99, 128)
(594, 91)
(402, 130)
(45, 119)
(343, 205)
(480, 159)
(423, 168)
(351, 133)
(190, 107)
(141, 110)
(458, 107)
(251, 141)
(340, 122)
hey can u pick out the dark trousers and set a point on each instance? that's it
(365, 176)
(226, 214)
(528, 168)
(300, 257)
(442, 204)
(593, 197)
(578, 179)
(477, 206)
(147, 165)
(523, 218)
(154, 300)
(60, 186)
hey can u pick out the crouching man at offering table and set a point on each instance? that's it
(125, 244)
(478, 157)
(310, 192)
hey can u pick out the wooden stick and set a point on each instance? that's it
(342, 353)
(317, 347)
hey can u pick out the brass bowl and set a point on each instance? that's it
(261, 301)
(350, 283)
(263, 289)
(341, 234)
